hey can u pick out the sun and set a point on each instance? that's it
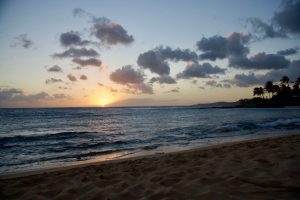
(104, 101)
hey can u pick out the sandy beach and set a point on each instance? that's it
(261, 169)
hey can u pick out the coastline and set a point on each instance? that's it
(145, 155)
(261, 168)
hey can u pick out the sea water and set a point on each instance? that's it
(43, 138)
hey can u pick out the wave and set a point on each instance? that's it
(52, 136)
(65, 157)
(292, 122)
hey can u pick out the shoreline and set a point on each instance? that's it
(255, 169)
(139, 155)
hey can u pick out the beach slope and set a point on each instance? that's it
(261, 169)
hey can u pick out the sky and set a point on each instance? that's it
(74, 53)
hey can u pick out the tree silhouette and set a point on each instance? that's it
(258, 91)
(269, 87)
(282, 94)
(285, 80)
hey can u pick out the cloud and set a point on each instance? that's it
(284, 22)
(219, 47)
(79, 12)
(110, 89)
(108, 32)
(288, 17)
(293, 72)
(138, 88)
(152, 61)
(127, 74)
(260, 61)
(10, 95)
(175, 90)
(75, 53)
(53, 80)
(72, 77)
(197, 70)
(156, 60)
(163, 80)
(83, 77)
(72, 38)
(55, 68)
(143, 102)
(61, 96)
(112, 34)
(64, 88)
(22, 40)
(87, 62)
(132, 79)
(213, 83)
(246, 80)
(264, 30)
(288, 52)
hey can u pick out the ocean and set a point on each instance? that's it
(32, 139)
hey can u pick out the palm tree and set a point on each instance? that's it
(258, 91)
(276, 89)
(285, 80)
(297, 81)
(269, 87)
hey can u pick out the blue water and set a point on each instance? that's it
(43, 138)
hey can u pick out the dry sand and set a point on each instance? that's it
(262, 169)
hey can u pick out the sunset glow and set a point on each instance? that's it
(91, 55)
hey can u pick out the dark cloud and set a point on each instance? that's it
(112, 34)
(108, 32)
(60, 96)
(72, 38)
(132, 79)
(110, 89)
(11, 95)
(53, 80)
(288, 52)
(64, 88)
(175, 90)
(83, 77)
(176, 54)
(293, 72)
(288, 18)
(22, 40)
(127, 74)
(213, 83)
(221, 47)
(243, 80)
(75, 53)
(246, 80)
(87, 62)
(196, 70)
(263, 30)
(71, 77)
(163, 80)
(79, 12)
(55, 68)
(156, 60)
(260, 61)
(139, 88)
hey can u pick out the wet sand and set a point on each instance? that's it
(259, 169)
